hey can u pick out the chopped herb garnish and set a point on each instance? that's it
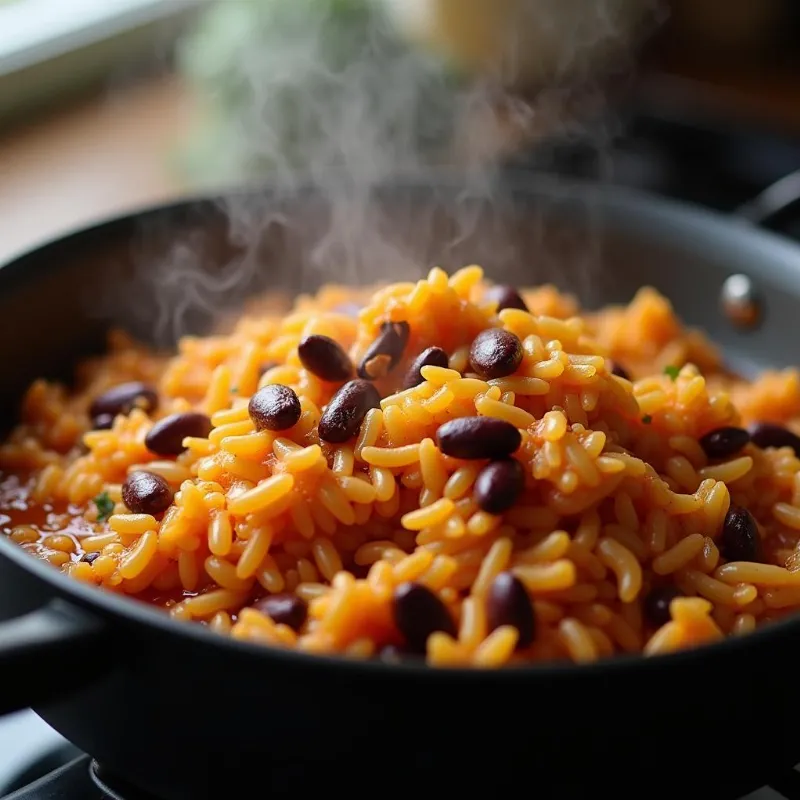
(234, 389)
(672, 371)
(105, 506)
(647, 419)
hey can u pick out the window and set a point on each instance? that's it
(37, 33)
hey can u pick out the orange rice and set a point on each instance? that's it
(619, 497)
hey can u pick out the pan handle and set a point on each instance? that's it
(771, 206)
(48, 652)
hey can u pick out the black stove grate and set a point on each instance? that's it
(113, 788)
(80, 779)
(787, 784)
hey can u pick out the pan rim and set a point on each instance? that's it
(776, 255)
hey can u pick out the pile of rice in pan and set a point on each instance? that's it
(448, 470)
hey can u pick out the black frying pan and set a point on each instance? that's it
(186, 714)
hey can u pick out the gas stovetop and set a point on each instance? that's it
(78, 777)
(661, 149)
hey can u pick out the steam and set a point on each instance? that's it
(328, 93)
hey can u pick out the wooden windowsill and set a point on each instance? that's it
(98, 158)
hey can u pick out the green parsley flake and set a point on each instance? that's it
(672, 371)
(647, 419)
(105, 506)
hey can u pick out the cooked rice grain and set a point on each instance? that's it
(620, 499)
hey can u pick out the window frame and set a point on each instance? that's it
(46, 54)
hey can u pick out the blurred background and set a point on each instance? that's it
(106, 105)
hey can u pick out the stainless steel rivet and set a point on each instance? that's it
(740, 302)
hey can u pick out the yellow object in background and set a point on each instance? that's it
(523, 41)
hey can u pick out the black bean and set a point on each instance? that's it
(432, 357)
(506, 297)
(478, 437)
(103, 422)
(495, 353)
(724, 442)
(166, 437)
(768, 434)
(384, 353)
(499, 484)
(284, 609)
(274, 408)
(619, 371)
(740, 540)
(656, 604)
(346, 410)
(123, 398)
(90, 558)
(507, 603)
(146, 493)
(418, 613)
(325, 358)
